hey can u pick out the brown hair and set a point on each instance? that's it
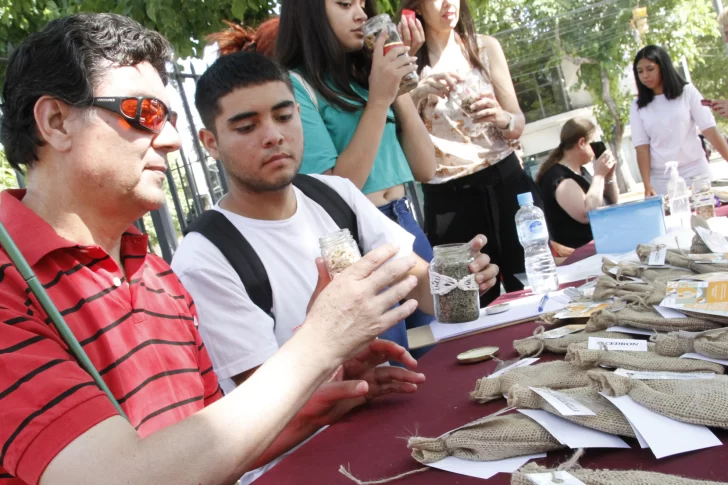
(238, 38)
(574, 130)
(465, 30)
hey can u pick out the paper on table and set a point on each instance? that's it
(483, 469)
(597, 343)
(591, 266)
(563, 403)
(702, 357)
(571, 434)
(515, 365)
(669, 312)
(665, 436)
(521, 309)
(715, 241)
(549, 478)
(636, 331)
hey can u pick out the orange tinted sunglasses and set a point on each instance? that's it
(147, 114)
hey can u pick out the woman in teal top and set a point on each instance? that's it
(354, 124)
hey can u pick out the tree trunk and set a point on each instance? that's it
(624, 176)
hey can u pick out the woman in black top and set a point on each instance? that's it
(569, 191)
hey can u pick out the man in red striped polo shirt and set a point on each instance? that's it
(85, 110)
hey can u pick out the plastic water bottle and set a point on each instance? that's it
(678, 196)
(534, 237)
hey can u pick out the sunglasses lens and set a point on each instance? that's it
(154, 114)
(129, 107)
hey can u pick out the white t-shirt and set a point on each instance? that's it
(238, 334)
(670, 128)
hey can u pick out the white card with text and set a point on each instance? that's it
(598, 343)
(566, 405)
(571, 434)
(516, 365)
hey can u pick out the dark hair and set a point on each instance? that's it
(238, 38)
(306, 42)
(465, 28)
(231, 72)
(574, 130)
(66, 60)
(672, 82)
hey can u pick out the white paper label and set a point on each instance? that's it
(669, 312)
(565, 330)
(668, 376)
(598, 343)
(564, 478)
(716, 242)
(702, 357)
(657, 257)
(571, 434)
(566, 405)
(520, 363)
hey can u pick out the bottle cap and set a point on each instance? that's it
(525, 198)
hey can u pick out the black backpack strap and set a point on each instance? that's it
(330, 200)
(240, 254)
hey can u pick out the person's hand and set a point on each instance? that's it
(388, 71)
(649, 191)
(486, 274)
(412, 33)
(720, 107)
(359, 303)
(359, 380)
(488, 110)
(324, 278)
(604, 165)
(440, 84)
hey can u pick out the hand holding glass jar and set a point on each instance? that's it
(386, 67)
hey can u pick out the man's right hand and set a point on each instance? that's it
(357, 305)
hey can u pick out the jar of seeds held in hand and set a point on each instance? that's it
(339, 250)
(371, 30)
(452, 284)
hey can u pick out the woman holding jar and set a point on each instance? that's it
(356, 123)
(478, 174)
(666, 118)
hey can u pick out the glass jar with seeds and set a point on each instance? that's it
(452, 284)
(371, 30)
(339, 250)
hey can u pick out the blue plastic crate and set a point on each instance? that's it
(620, 228)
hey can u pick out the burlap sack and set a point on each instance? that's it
(713, 343)
(680, 260)
(647, 318)
(702, 401)
(488, 439)
(554, 375)
(608, 418)
(533, 346)
(610, 477)
(649, 293)
(580, 356)
(625, 271)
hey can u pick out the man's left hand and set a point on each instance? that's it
(486, 274)
(359, 380)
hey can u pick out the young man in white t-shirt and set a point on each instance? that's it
(253, 126)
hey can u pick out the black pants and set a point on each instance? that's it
(483, 203)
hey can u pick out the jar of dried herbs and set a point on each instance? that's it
(371, 30)
(453, 285)
(339, 250)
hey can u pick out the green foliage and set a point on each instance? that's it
(8, 178)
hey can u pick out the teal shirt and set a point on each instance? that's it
(328, 130)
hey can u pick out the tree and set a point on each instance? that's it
(598, 37)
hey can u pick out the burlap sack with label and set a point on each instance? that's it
(680, 260)
(703, 401)
(647, 318)
(625, 271)
(554, 375)
(488, 439)
(608, 418)
(713, 344)
(580, 356)
(649, 293)
(610, 477)
(533, 346)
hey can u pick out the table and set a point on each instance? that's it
(370, 439)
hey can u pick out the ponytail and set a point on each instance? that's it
(574, 130)
(554, 157)
(241, 39)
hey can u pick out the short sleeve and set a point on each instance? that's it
(319, 152)
(702, 115)
(237, 334)
(375, 229)
(46, 399)
(639, 135)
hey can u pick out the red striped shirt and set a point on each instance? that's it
(140, 334)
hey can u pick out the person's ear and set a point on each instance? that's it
(208, 139)
(53, 120)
